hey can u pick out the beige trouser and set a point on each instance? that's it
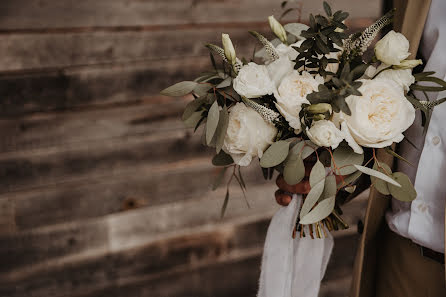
(404, 272)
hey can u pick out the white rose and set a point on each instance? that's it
(379, 117)
(248, 135)
(292, 93)
(253, 81)
(403, 77)
(392, 48)
(324, 133)
(283, 66)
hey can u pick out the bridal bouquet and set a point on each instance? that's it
(311, 96)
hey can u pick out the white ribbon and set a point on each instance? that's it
(292, 267)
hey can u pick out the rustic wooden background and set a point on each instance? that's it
(102, 190)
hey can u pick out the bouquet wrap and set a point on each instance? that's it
(286, 268)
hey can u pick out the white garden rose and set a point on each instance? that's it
(324, 133)
(392, 48)
(248, 134)
(253, 81)
(379, 117)
(292, 93)
(403, 77)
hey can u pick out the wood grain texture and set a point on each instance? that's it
(48, 14)
(152, 266)
(93, 85)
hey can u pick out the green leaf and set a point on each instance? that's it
(294, 170)
(344, 158)
(349, 179)
(202, 89)
(377, 174)
(317, 173)
(426, 88)
(357, 72)
(406, 192)
(193, 120)
(393, 153)
(222, 159)
(192, 107)
(330, 188)
(275, 154)
(421, 75)
(225, 83)
(312, 198)
(212, 122)
(225, 204)
(320, 212)
(380, 185)
(179, 89)
(221, 128)
(296, 29)
(327, 9)
(219, 178)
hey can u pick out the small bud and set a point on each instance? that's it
(408, 64)
(319, 117)
(278, 29)
(319, 108)
(228, 48)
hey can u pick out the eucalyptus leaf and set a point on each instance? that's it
(202, 89)
(180, 89)
(296, 29)
(212, 122)
(193, 120)
(377, 174)
(380, 185)
(349, 179)
(221, 128)
(320, 212)
(192, 107)
(275, 154)
(330, 188)
(344, 158)
(317, 173)
(294, 170)
(225, 83)
(225, 204)
(406, 192)
(312, 198)
(222, 159)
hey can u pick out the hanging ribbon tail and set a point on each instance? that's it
(292, 267)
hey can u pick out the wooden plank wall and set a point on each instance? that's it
(102, 190)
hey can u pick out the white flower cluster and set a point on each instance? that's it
(378, 117)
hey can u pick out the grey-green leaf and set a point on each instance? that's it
(317, 173)
(212, 122)
(349, 179)
(275, 154)
(329, 187)
(225, 83)
(344, 158)
(192, 107)
(406, 192)
(320, 212)
(222, 159)
(296, 29)
(193, 120)
(225, 204)
(180, 89)
(294, 170)
(312, 198)
(202, 89)
(380, 185)
(222, 128)
(377, 174)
